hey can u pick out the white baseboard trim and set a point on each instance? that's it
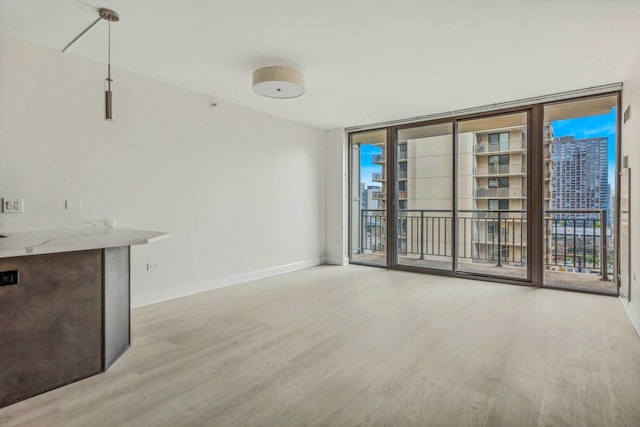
(335, 260)
(183, 291)
(633, 316)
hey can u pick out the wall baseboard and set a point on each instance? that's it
(335, 260)
(633, 316)
(196, 288)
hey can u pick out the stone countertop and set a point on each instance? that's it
(52, 241)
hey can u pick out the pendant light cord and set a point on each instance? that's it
(109, 60)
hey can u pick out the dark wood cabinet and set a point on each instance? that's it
(67, 319)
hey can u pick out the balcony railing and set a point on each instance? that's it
(377, 177)
(378, 158)
(402, 174)
(378, 195)
(511, 146)
(492, 236)
(502, 169)
(427, 232)
(402, 155)
(373, 223)
(577, 239)
(500, 192)
(573, 239)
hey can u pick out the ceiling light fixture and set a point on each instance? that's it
(109, 16)
(278, 82)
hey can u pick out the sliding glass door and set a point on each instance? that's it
(368, 227)
(524, 195)
(473, 224)
(580, 150)
(492, 196)
(424, 196)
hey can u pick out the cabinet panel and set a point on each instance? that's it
(116, 304)
(50, 323)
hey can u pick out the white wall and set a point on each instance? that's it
(631, 147)
(336, 197)
(241, 192)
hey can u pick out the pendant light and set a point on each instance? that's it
(109, 16)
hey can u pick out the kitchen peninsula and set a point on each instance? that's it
(64, 305)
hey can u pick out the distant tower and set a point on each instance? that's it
(364, 196)
(579, 171)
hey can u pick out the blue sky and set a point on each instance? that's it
(580, 128)
(367, 167)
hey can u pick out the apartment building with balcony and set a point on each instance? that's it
(500, 191)
(424, 193)
(492, 169)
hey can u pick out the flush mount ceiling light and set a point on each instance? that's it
(278, 82)
(109, 16)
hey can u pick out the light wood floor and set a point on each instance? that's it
(348, 346)
(553, 279)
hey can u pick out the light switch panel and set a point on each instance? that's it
(12, 205)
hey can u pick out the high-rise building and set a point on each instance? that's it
(612, 203)
(492, 171)
(370, 196)
(492, 178)
(580, 174)
(500, 185)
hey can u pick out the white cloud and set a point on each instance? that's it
(602, 130)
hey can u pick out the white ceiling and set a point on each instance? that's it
(365, 61)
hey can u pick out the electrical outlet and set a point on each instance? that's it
(9, 278)
(73, 205)
(152, 266)
(12, 205)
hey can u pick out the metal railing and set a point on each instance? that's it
(576, 239)
(501, 169)
(492, 235)
(500, 192)
(511, 146)
(377, 177)
(373, 223)
(426, 232)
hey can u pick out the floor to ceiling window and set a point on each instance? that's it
(368, 210)
(492, 195)
(526, 195)
(580, 140)
(424, 196)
